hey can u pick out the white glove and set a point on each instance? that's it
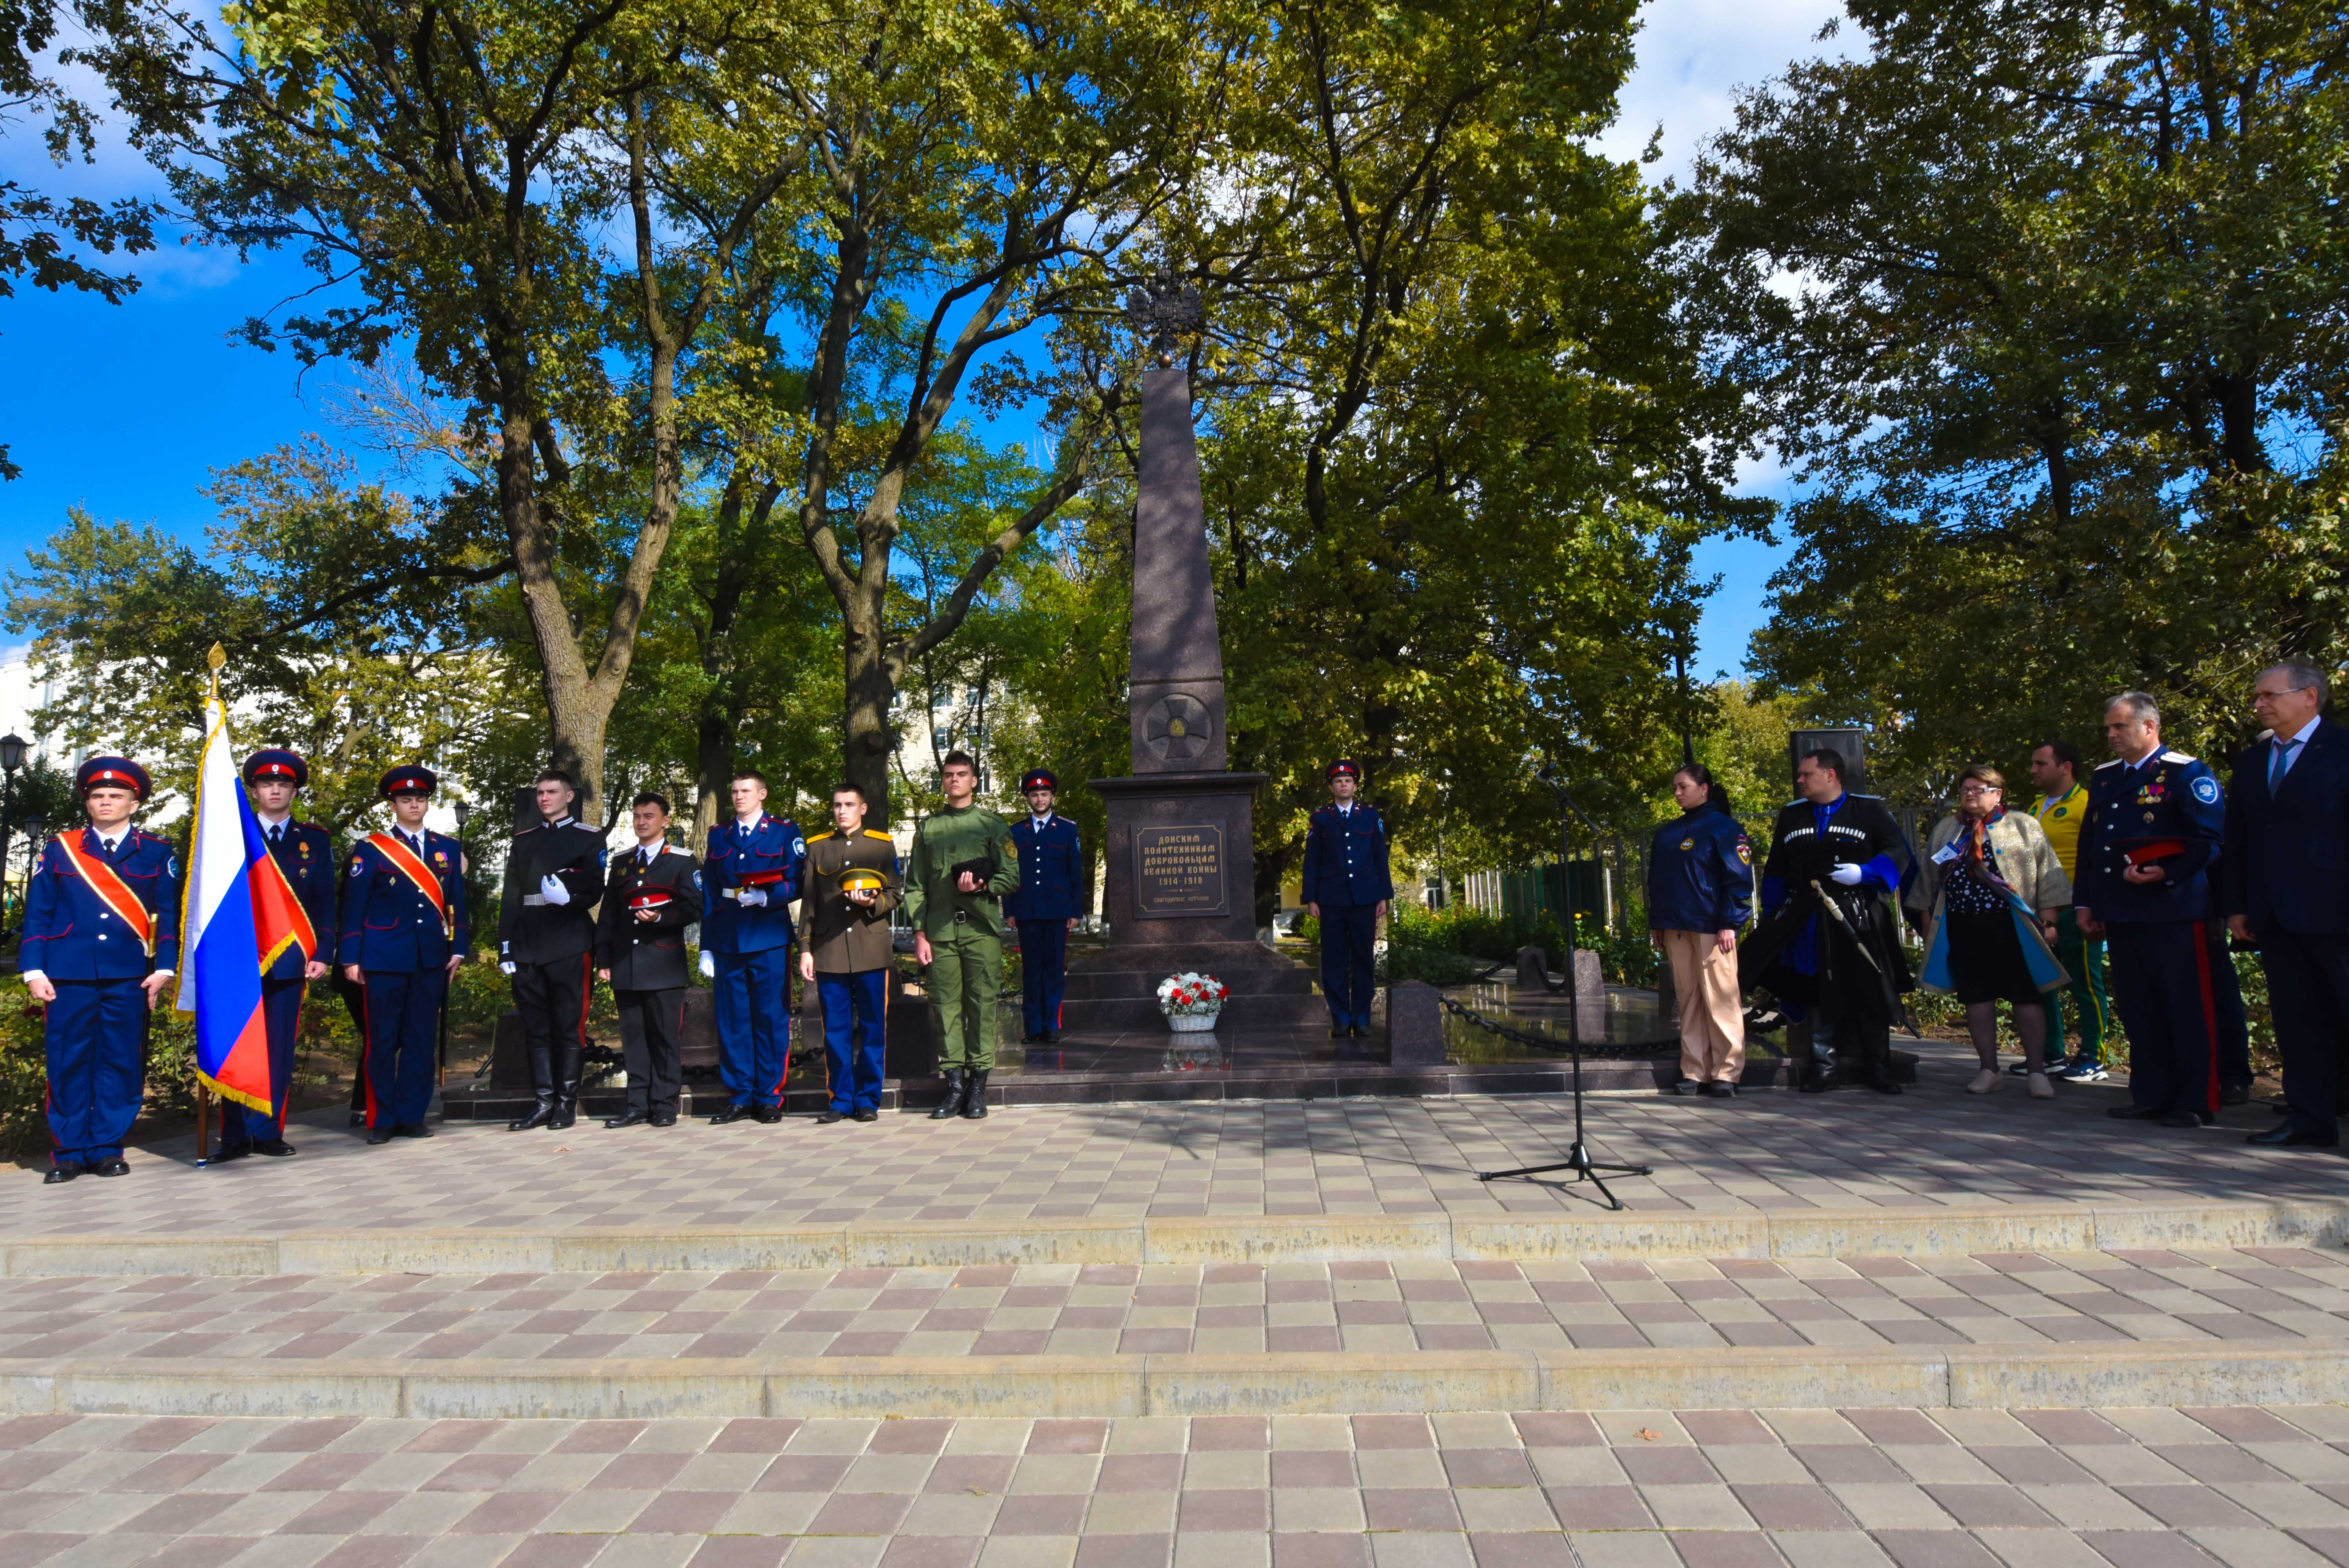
(709, 964)
(551, 889)
(753, 897)
(1845, 876)
(505, 966)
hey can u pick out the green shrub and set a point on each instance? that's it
(1432, 965)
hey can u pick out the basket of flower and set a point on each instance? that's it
(1191, 1001)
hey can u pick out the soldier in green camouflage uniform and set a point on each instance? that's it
(957, 917)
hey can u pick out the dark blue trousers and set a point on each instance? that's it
(855, 1019)
(1348, 982)
(95, 1041)
(281, 1010)
(2165, 988)
(1043, 971)
(403, 1033)
(754, 1041)
(2308, 986)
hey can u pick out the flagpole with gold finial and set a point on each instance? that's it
(213, 661)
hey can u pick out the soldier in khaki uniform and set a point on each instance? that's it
(963, 864)
(851, 886)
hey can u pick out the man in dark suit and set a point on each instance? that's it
(654, 894)
(2282, 887)
(305, 855)
(1048, 904)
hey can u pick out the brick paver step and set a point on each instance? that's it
(2066, 1329)
(1650, 1489)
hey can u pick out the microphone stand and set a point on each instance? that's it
(1578, 1154)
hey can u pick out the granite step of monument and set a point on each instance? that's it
(1294, 1010)
(1285, 980)
(1369, 1076)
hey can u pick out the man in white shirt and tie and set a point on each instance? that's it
(2282, 887)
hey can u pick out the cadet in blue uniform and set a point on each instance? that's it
(751, 877)
(101, 940)
(2155, 820)
(1347, 886)
(305, 855)
(1050, 898)
(402, 935)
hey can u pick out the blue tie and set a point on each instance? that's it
(2276, 769)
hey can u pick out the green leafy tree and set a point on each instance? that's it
(2046, 305)
(38, 231)
(400, 662)
(1460, 438)
(452, 168)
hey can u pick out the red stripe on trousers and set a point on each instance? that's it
(286, 1102)
(2209, 1014)
(367, 1050)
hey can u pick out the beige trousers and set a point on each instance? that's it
(1712, 1013)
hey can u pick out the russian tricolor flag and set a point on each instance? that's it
(239, 914)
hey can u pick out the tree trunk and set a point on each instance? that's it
(869, 740)
(714, 770)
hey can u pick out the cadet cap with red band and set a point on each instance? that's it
(112, 773)
(409, 782)
(276, 763)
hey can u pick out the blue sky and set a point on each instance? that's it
(124, 409)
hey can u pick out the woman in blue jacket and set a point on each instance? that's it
(1700, 892)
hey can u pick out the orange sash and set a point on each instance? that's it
(401, 856)
(111, 890)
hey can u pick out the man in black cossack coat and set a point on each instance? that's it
(1826, 942)
(546, 942)
(653, 894)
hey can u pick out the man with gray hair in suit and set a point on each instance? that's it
(2285, 885)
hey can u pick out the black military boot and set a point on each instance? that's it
(568, 1064)
(1877, 1072)
(974, 1106)
(952, 1105)
(542, 1080)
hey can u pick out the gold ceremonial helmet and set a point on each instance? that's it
(862, 879)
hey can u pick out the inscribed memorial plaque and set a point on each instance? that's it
(1178, 871)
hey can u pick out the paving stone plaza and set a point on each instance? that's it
(1840, 1329)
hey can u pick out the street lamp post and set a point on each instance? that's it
(463, 810)
(33, 827)
(12, 757)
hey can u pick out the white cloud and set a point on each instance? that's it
(1693, 57)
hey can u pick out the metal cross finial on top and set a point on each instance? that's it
(1162, 311)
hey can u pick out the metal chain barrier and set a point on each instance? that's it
(1552, 1043)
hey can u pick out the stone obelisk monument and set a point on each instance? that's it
(1179, 883)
